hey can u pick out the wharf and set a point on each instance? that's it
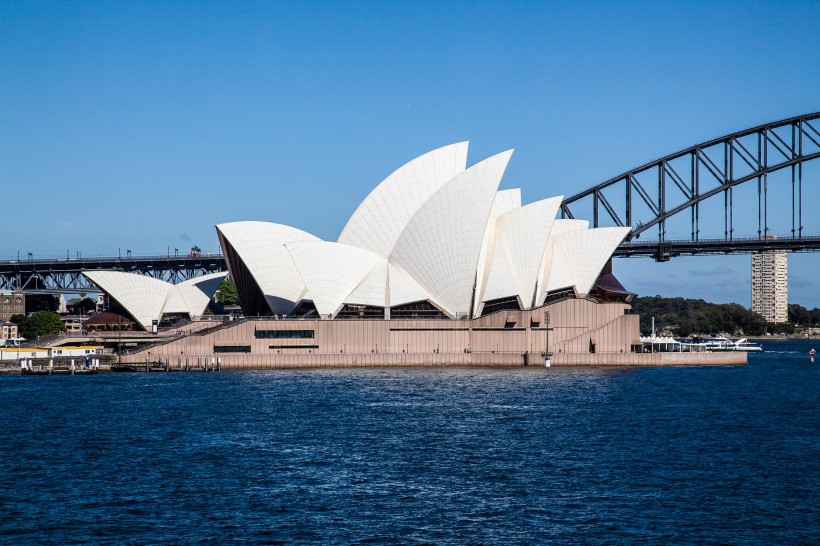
(164, 366)
(57, 365)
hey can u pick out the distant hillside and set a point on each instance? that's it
(684, 317)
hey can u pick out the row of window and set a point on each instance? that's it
(247, 348)
(232, 348)
(284, 334)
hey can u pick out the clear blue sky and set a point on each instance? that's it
(140, 125)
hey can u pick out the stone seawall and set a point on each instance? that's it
(240, 361)
(650, 359)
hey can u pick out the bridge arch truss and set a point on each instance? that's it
(680, 183)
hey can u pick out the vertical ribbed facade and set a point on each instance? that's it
(770, 288)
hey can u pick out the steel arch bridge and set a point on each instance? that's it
(64, 275)
(680, 183)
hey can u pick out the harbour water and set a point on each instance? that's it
(708, 455)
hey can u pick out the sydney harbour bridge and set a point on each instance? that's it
(750, 191)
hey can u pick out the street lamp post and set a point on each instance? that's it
(547, 359)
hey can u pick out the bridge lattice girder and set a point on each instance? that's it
(780, 145)
(59, 276)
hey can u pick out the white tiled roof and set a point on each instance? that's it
(261, 246)
(147, 299)
(380, 219)
(441, 244)
(331, 271)
(430, 231)
(585, 253)
(505, 200)
(557, 276)
(523, 232)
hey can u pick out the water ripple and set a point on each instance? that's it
(416, 455)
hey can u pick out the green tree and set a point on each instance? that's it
(226, 293)
(82, 306)
(41, 323)
(687, 317)
(799, 314)
(17, 319)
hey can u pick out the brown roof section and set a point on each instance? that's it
(608, 282)
(107, 318)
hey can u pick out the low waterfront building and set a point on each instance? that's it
(8, 330)
(109, 321)
(73, 323)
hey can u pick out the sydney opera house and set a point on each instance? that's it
(436, 266)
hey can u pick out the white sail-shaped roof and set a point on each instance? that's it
(143, 297)
(523, 232)
(147, 299)
(379, 220)
(331, 270)
(585, 253)
(505, 200)
(198, 292)
(441, 244)
(560, 275)
(403, 289)
(555, 275)
(175, 302)
(260, 246)
(372, 290)
(387, 286)
(500, 282)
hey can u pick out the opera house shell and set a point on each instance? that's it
(147, 299)
(435, 239)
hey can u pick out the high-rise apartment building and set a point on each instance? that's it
(770, 288)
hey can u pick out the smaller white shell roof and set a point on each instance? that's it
(585, 253)
(501, 280)
(555, 275)
(561, 225)
(143, 297)
(524, 232)
(175, 302)
(198, 292)
(372, 290)
(147, 299)
(260, 246)
(403, 289)
(505, 200)
(559, 273)
(331, 270)
(387, 286)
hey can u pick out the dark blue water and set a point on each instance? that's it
(491, 456)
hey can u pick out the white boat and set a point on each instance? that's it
(725, 344)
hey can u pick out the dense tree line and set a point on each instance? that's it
(685, 317)
(802, 316)
(39, 323)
